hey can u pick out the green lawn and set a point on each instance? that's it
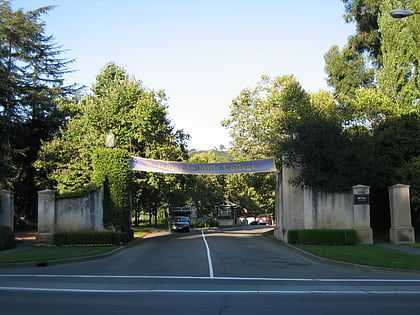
(140, 230)
(39, 254)
(371, 255)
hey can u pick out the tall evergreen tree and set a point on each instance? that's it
(31, 76)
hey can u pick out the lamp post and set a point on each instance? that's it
(402, 13)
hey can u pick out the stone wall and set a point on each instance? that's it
(73, 214)
(303, 208)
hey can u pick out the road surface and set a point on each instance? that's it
(223, 271)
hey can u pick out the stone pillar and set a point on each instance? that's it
(401, 231)
(361, 214)
(46, 215)
(7, 208)
(278, 233)
(292, 201)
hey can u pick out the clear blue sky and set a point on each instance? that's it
(201, 52)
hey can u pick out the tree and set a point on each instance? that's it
(205, 191)
(397, 148)
(400, 47)
(259, 117)
(31, 89)
(330, 158)
(137, 116)
(379, 62)
(260, 120)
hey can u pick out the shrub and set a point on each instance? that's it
(322, 236)
(7, 238)
(89, 238)
(199, 224)
(213, 223)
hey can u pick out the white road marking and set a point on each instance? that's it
(212, 277)
(356, 290)
(211, 272)
(137, 291)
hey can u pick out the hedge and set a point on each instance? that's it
(111, 168)
(322, 236)
(89, 238)
(7, 238)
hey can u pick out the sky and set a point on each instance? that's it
(202, 53)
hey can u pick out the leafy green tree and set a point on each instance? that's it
(367, 40)
(346, 72)
(136, 115)
(261, 118)
(400, 47)
(205, 191)
(397, 148)
(331, 158)
(378, 64)
(138, 118)
(31, 89)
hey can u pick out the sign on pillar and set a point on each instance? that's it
(361, 214)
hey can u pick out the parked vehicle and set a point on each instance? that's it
(180, 223)
(264, 219)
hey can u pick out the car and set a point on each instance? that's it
(264, 219)
(180, 223)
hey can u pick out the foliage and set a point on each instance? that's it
(206, 191)
(260, 120)
(31, 95)
(347, 72)
(259, 116)
(111, 168)
(138, 117)
(379, 64)
(330, 158)
(7, 238)
(397, 148)
(322, 236)
(399, 77)
(365, 14)
(89, 238)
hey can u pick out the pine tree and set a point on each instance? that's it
(31, 76)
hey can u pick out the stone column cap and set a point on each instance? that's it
(397, 186)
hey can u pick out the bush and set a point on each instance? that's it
(322, 236)
(7, 238)
(89, 238)
(199, 224)
(213, 223)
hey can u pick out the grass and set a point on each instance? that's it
(140, 230)
(371, 255)
(39, 254)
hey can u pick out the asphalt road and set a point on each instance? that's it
(226, 271)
